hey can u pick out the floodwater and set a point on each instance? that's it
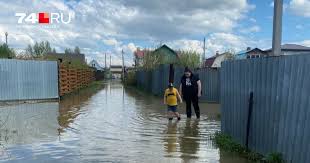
(113, 124)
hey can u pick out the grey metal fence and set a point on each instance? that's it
(210, 81)
(281, 102)
(27, 80)
(156, 81)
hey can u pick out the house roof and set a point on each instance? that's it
(293, 47)
(209, 61)
(139, 53)
(166, 47)
(96, 64)
(249, 50)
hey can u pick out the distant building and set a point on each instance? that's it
(168, 55)
(291, 49)
(216, 60)
(95, 65)
(251, 53)
(139, 54)
(116, 71)
(66, 57)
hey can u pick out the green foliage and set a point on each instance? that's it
(151, 60)
(39, 49)
(274, 158)
(77, 50)
(131, 79)
(6, 52)
(68, 51)
(189, 59)
(226, 143)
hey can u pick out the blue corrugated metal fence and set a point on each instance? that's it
(28, 80)
(156, 81)
(281, 114)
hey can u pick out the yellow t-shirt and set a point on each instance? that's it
(171, 97)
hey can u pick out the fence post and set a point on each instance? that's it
(171, 73)
(249, 120)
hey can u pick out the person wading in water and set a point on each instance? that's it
(190, 89)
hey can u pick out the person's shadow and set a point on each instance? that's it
(189, 143)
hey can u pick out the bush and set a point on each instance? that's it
(6, 52)
(189, 59)
(131, 79)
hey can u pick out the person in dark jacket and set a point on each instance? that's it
(190, 89)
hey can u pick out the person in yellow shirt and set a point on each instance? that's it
(171, 100)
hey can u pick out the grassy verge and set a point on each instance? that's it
(226, 143)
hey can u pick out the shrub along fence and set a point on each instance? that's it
(71, 79)
(277, 117)
(155, 81)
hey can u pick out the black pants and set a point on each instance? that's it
(189, 101)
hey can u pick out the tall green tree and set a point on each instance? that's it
(39, 49)
(189, 59)
(68, 51)
(6, 52)
(77, 50)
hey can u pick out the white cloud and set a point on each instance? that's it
(252, 20)
(305, 43)
(111, 41)
(183, 44)
(300, 7)
(252, 29)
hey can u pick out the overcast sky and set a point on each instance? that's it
(107, 26)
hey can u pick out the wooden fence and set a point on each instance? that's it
(71, 79)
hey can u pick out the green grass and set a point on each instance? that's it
(226, 143)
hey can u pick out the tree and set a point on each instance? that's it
(151, 60)
(6, 52)
(54, 50)
(77, 50)
(39, 49)
(189, 59)
(68, 51)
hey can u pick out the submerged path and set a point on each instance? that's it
(113, 125)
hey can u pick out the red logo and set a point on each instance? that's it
(44, 18)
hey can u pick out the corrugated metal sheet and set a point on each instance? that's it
(28, 80)
(210, 82)
(156, 81)
(281, 114)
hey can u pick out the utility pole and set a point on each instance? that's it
(204, 52)
(105, 61)
(277, 27)
(6, 38)
(123, 68)
(110, 60)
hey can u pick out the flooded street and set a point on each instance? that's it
(113, 124)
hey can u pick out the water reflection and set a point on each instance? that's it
(170, 139)
(29, 122)
(189, 143)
